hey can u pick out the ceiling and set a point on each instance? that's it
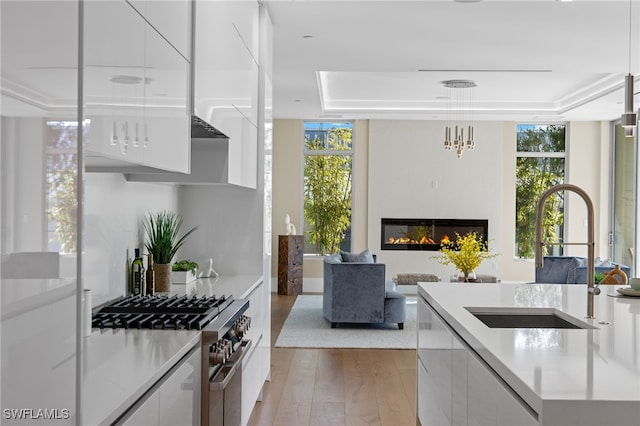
(538, 60)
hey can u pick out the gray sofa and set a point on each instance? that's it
(356, 292)
(571, 269)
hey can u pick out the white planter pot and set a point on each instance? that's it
(182, 277)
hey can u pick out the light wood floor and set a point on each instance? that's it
(335, 386)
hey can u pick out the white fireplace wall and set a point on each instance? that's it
(411, 176)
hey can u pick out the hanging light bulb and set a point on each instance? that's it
(629, 118)
(447, 138)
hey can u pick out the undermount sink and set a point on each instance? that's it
(527, 318)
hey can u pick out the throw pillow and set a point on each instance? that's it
(602, 262)
(364, 257)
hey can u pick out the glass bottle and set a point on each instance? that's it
(150, 275)
(137, 274)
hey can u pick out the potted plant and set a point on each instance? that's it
(184, 271)
(162, 231)
(466, 253)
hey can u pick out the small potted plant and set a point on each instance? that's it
(184, 271)
(466, 253)
(162, 230)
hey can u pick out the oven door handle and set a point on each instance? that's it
(224, 376)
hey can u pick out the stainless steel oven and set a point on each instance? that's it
(223, 323)
(223, 350)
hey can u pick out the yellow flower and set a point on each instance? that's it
(466, 253)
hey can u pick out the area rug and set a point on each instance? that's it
(305, 327)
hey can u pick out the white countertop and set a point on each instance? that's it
(547, 366)
(120, 365)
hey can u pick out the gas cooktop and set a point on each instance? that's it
(160, 312)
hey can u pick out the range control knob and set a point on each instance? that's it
(217, 356)
(242, 325)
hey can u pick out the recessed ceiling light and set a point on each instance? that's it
(129, 79)
(126, 79)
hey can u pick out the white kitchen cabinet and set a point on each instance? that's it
(136, 87)
(242, 151)
(171, 18)
(145, 413)
(167, 125)
(442, 366)
(455, 387)
(113, 89)
(226, 68)
(490, 402)
(253, 374)
(226, 75)
(179, 395)
(174, 400)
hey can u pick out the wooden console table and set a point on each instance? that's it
(290, 251)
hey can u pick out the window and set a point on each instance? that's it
(624, 198)
(328, 152)
(540, 164)
(61, 185)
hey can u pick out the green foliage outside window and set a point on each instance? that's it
(327, 187)
(534, 175)
(61, 184)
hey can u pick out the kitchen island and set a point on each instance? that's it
(469, 373)
(127, 371)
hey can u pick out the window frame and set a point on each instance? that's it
(326, 152)
(542, 154)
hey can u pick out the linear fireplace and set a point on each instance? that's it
(427, 234)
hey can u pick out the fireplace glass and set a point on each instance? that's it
(427, 234)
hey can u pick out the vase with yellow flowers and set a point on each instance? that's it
(466, 253)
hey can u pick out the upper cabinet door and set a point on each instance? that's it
(136, 91)
(114, 37)
(171, 19)
(226, 66)
(167, 122)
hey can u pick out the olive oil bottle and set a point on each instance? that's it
(137, 274)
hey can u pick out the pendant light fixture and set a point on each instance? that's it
(463, 104)
(629, 117)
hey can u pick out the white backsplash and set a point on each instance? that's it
(230, 227)
(114, 209)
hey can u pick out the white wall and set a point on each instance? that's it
(114, 210)
(230, 227)
(411, 176)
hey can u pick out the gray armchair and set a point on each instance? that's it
(571, 269)
(356, 292)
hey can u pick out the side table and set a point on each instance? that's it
(290, 257)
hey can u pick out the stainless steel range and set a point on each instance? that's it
(223, 323)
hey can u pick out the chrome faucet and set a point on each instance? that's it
(592, 289)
